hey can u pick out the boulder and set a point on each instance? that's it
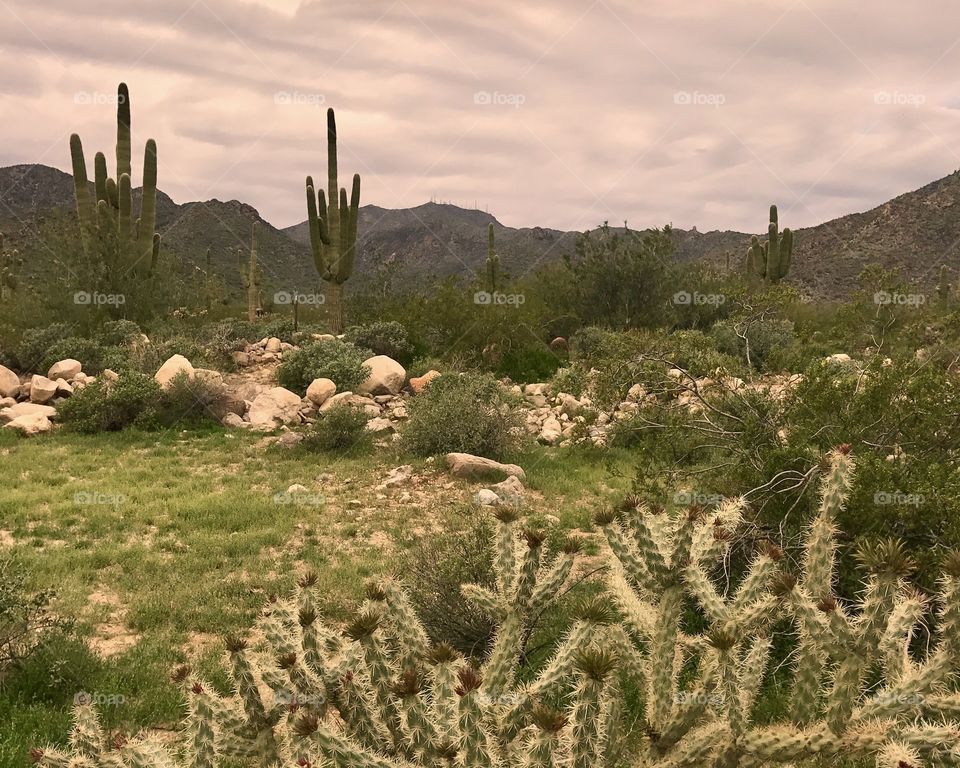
(6, 402)
(175, 365)
(559, 346)
(27, 409)
(9, 383)
(64, 369)
(64, 389)
(510, 491)
(570, 405)
(551, 431)
(234, 421)
(386, 377)
(210, 377)
(486, 498)
(468, 467)
(379, 424)
(419, 383)
(109, 375)
(320, 390)
(29, 425)
(274, 407)
(290, 439)
(42, 389)
(356, 401)
(273, 345)
(240, 359)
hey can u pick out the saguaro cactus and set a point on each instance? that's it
(252, 276)
(770, 261)
(333, 229)
(10, 264)
(108, 228)
(493, 262)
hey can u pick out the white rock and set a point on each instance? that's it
(386, 377)
(9, 383)
(273, 344)
(175, 365)
(486, 498)
(510, 491)
(234, 421)
(108, 375)
(354, 400)
(298, 488)
(396, 476)
(551, 431)
(274, 407)
(27, 409)
(468, 466)
(64, 369)
(636, 393)
(208, 376)
(63, 388)
(379, 424)
(42, 389)
(31, 424)
(320, 390)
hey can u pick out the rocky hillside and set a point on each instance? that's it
(915, 233)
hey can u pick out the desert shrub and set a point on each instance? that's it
(119, 332)
(279, 327)
(529, 362)
(574, 380)
(442, 564)
(25, 620)
(469, 413)
(90, 352)
(110, 406)
(755, 341)
(696, 352)
(421, 365)
(388, 338)
(339, 361)
(33, 351)
(342, 429)
(186, 403)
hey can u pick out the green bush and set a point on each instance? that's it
(760, 341)
(384, 338)
(442, 563)
(25, 620)
(33, 351)
(466, 413)
(341, 430)
(574, 380)
(528, 363)
(116, 333)
(339, 361)
(110, 406)
(186, 402)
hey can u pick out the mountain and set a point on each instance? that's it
(914, 233)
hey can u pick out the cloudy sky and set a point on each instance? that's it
(559, 114)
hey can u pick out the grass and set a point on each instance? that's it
(158, 544)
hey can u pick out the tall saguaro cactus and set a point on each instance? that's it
(333, 228)
(108, 229)
(493, 262)
(770, 261)
(251, 275)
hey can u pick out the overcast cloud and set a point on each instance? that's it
(559, 114)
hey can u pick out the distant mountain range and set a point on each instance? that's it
(915, 233)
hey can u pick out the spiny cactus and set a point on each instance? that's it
(493, 263)
(333, 228)
(10, 265)
(770, 261)
(857, 692)
(377, 694)
(124, 244)
(252, 276)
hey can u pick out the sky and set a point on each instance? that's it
(558, 114)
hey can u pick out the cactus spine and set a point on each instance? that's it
(333, 228)
(10, 264)
(108, 228)
(493, 263)
(252, 276)
(769, 262)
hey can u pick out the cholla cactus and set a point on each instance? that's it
(377, 693)
(908, 718)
